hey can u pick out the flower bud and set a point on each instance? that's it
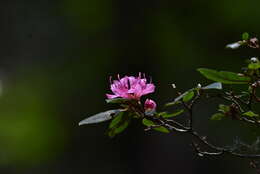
(149, 105)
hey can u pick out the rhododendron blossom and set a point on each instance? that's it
(149, 105)
(130, 87)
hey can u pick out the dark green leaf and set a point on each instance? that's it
(223, 108)
(217, 116)
(245, 94)
(162, 129)
(188, 96)
(117, 100)
(119, 124)
(101, 117)
(116, 130)
(116, 120)
(250, 114)
(122, 127)
(166, 115)
(245, 36)
(224, 76)
(148, 123)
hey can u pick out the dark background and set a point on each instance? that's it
(56, 59)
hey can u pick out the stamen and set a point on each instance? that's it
(151, 79)
(128, 83)
(110, 79)
(140, 75)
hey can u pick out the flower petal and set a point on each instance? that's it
(148, 89)
(110, 96)
(130, 87)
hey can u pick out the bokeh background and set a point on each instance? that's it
(56, 59)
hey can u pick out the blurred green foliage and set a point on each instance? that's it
(29, 130)
(90, 16)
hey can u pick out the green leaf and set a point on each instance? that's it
(119, 124)
(119, 129)
(190, 93)
(162, 129)
(217, 116)
(245, 36)
(216, 85)
(182, 95)
(188, 96)
(254, 66)
(116, 120)
(122, 127)
(166, 115)
(224, 76)
(161, 114)
(117, 100)
(100, 117)
(250, 114)
(177, 99)
(148, 123)
(172, 103)
(223, 108)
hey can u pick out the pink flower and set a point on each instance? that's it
(130, 87)
(149, 105)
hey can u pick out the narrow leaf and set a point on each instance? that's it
(216, 85)
(119, 124)
(188, 96)
(122, 127)
(172, 103)
(100, 117)
(162, 129)
(234, 46)
(118, 129)
(217, 116)
(190, 93)
(250, 114)
(181, 96)
(224, 76)
(117, 100)
(148, 123)
(177, 99)
(116, 120)
(166, 115)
